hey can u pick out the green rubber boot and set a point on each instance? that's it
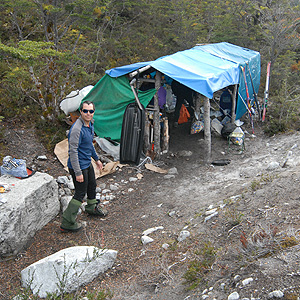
(69, 217)
(93, 208)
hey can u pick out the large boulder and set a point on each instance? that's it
(66, 270)
(29, 205)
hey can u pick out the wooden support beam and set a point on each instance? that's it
(156, 115)
(198, 105)
(147, 145)
(233, 115)
(143, 69)
(166, 135)
(207, 131)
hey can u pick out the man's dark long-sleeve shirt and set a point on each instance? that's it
(81, 147)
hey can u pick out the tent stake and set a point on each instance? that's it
(207, 133)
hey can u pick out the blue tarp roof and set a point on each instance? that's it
(207, 69)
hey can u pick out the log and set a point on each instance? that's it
(207, 132)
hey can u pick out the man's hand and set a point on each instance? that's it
(79, 178)
(99, 164)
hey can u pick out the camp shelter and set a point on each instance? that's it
(203, 68)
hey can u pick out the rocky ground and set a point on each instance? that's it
(243, 221)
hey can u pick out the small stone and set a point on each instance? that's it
(113, 187)
(273, 165)
(183, 235)
(234, 296)
(172, 213)
(42, 157)
(276, 294)
(105, 191)
(102, 185)
(146, 240)
(70, 185)
(165, 246)
(210, 216)
(130, 190)
(185, 153)
(173, 171)
(169, 176)
(247, 281)
(132, 179)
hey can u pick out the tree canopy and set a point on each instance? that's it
(49, 48)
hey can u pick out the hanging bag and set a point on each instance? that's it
(184, 115)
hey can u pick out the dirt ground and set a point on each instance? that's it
(253, 235)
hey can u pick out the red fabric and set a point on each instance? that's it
(184, 115)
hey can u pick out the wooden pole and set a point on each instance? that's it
(156, 115)
(207, 132)
(198, 105)
(233, 115)
(166, 136)
(147, 135)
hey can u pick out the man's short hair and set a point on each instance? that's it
(88, 103)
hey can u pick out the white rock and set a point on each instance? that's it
(169, 176)
(153, 229)
(62, 179)
(146, 240)
(173, 171)
(165, 246)
(212, 211)
(70, 185)
(210, 216)
(185, 153)
(234, 296)
(130, 190)
(67, 269)
(106, 191)
(113, 187)
(132, 179)
(276, 294)
(183, 235)
(102, 185)
(247, 281)
(273, 165)
(42, 157)
(31, 204)
(172, 213)
(64, 202)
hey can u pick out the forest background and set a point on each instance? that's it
(49, 48)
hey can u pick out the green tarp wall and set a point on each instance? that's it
(111, 96)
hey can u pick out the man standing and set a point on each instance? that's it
(81, 150)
